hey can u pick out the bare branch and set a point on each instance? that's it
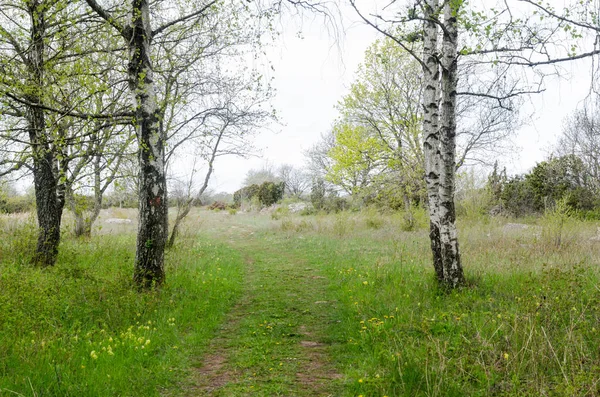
(102, 13)
(184, 18)
(70, 113)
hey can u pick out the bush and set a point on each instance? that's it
(288, 225)
(267, 193)
(373, 219)
(554, 221)
(473, 204)
(309, 210)
(270, 193)
(343, 224)
(16, 204)
(317, 194)
(336, 204)
(279, 213)
(517, 197)
(244, 194)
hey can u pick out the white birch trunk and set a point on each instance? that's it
(431, 143)
(453, 272)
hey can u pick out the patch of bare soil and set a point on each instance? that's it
(211, 375)
(316, 371)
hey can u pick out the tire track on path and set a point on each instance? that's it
(273, 341)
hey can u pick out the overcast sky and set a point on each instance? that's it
(313, 72)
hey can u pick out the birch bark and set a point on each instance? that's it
(431, 140)
(453, 272)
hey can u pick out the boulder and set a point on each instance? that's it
(297, 207)
(118, 220)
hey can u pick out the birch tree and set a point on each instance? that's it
(440, 35)
(155, 35)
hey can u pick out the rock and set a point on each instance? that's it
(532, 230)
(269, 210)
(297, 207)
(496, 210)
(118, 220)
(597, 236)
(515, 226)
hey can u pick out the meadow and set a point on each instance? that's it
(322, 305)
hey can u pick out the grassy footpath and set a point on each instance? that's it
(339, 305)
(527, 324)
(274, 340)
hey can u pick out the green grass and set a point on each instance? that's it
(80, 329)
(340, 305)
(262, 338)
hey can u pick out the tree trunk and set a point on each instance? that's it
(431, 140)
(184, 211)
(49, 203)
(153, 210)
(453, 272)
(81, 226)
(98, 192)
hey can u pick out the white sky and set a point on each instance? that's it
(312, 74)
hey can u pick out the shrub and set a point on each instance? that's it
(16, 204)
(342, 224)
(336, 204)
(279, 213)
(244, 194)
(288, 225)
(554, 222)
(317, 194)
(373, 219)
(309, 210)
(517, 197)
(268, 193)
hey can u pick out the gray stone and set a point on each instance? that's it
(118, 220)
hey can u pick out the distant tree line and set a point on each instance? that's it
(558, 178)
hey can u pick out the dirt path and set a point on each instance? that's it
(273, 342)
